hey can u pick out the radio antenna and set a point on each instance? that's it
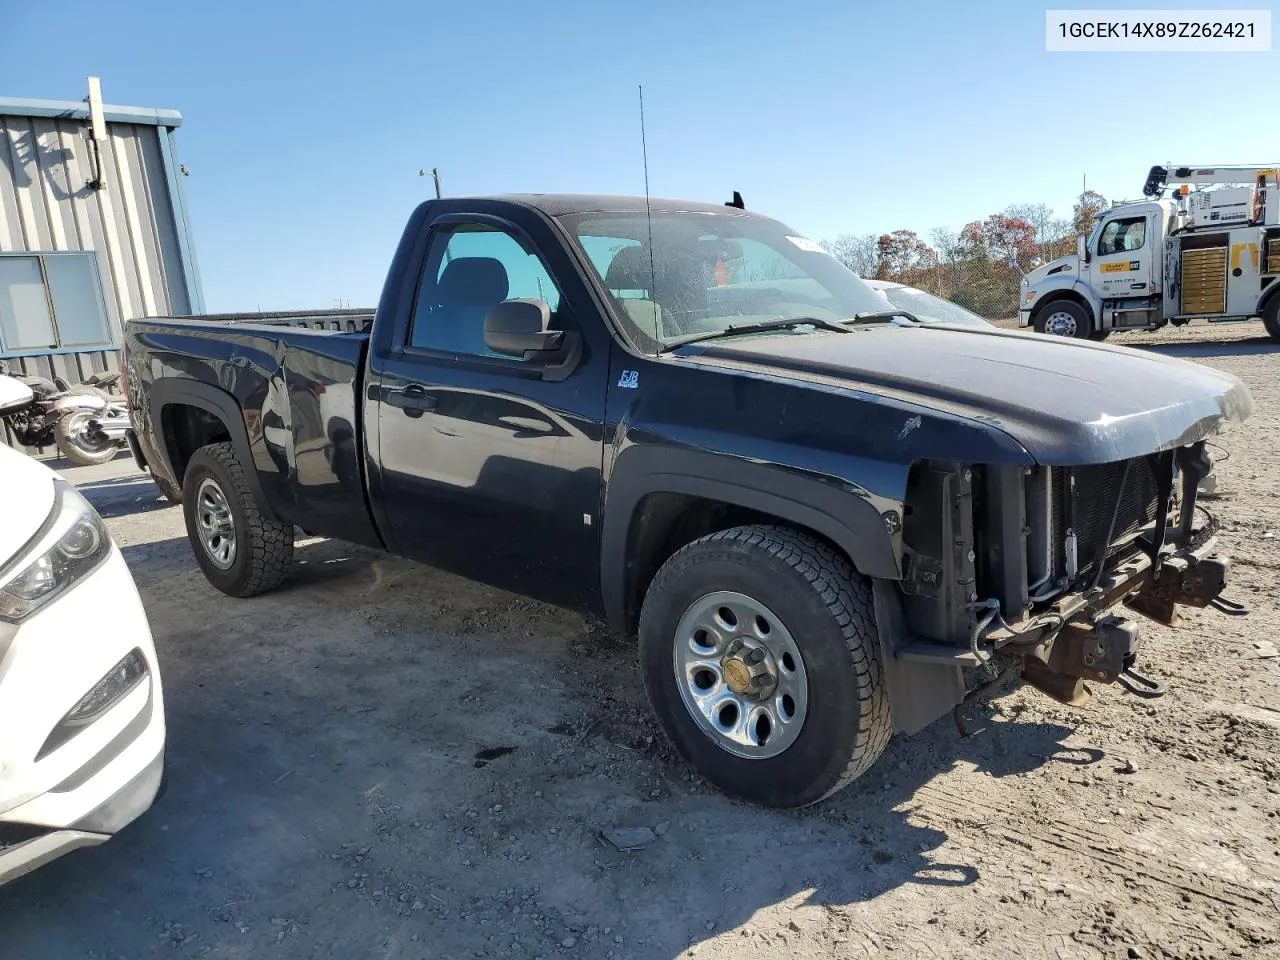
(648, 215)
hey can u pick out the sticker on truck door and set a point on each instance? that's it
(1122, 267)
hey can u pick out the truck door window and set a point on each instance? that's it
(1122, 236)
(469, 270)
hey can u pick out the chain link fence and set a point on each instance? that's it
(988, 287)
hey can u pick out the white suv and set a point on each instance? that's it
(81, 717)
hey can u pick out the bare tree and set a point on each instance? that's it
(858, 253)
(1049, 228)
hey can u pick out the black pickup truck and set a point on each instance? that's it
(827, 521)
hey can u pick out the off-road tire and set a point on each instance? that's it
(827, 608)
(1271, 318)
(264, 547)
(1084, 325)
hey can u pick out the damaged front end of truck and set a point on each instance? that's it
(1044, 570)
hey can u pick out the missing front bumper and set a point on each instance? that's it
(1097, 642)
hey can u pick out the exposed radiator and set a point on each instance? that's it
(1204, 280)
(1084, 499)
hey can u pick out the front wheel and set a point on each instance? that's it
(761, 659)
(1064, 318)
(78, 444)
(241, 552)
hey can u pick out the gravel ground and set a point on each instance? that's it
(382, 760)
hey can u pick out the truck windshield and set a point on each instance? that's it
(1092, 242)
(703, 273)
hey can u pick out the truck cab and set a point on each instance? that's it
(1206, 256)
(825, 520)
(1115, 276)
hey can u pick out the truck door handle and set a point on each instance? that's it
(411, 398)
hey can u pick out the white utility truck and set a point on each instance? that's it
(1210, 254)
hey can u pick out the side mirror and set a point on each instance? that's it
(518, 328)
(1082, 251)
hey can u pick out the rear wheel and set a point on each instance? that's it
(79, 444)
(1271, 318)
(1064, 318)
(761, 659)
(241, 552)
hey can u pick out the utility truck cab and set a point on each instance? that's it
(1207, 256)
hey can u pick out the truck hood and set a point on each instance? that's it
(1067, 267)
(1066, 402)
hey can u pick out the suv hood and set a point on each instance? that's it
(1066, 402)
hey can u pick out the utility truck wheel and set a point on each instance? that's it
(241, 552)
(760, 656)
(1271, 318)
(1064, 318)
(1099, 335)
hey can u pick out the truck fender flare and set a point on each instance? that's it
(169, 392)
(851, 522)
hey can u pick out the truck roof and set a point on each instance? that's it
(559, 204)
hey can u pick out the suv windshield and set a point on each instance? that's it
(707, 272)
(930, 309)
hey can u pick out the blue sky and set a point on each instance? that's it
(306, 123)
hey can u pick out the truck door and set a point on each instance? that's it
(488, 467)
(1123, 257)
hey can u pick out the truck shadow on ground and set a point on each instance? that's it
(1207, 349)
(123, 496)
(323, 779)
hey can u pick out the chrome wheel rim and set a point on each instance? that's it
(78, 428)
(741, 675)
(215, 524)
(1060, 324)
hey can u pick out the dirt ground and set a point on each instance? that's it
(382, 760)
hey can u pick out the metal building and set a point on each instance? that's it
(93, 231)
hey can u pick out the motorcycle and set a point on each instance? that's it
(87, 422)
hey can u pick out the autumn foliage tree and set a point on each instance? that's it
(1002, 238)
(902, 253)
(979, 267)
(1086, 210)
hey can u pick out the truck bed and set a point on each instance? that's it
(295, 385)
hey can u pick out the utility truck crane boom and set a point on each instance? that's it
(1159, 177)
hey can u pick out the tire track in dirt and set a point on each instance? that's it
(1102, 845)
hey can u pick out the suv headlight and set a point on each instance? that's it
(68, 547)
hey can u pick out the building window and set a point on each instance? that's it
(51, 301)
